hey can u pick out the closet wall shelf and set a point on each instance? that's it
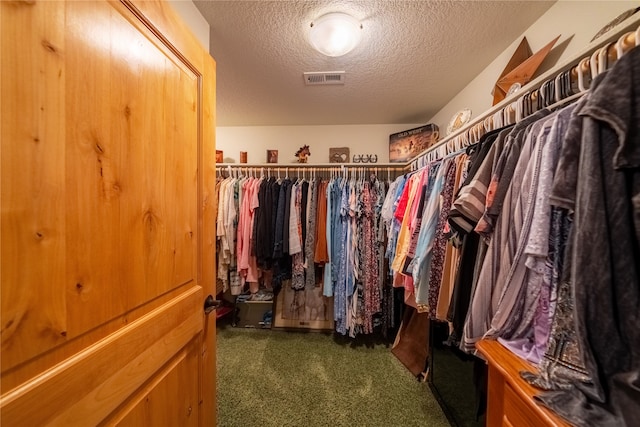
(313, 165)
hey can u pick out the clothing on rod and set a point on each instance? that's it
(304, 234)
(547, 232)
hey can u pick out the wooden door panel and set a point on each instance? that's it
(85, 389)
(122, 187)
(170, 400)
(93, 152)
(107, 172)
(33, 182)
(138, 210)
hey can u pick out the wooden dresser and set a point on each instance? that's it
(510, 399)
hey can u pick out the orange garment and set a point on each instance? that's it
(321, 255)
(451, 259)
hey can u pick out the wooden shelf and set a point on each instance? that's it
(312, 165)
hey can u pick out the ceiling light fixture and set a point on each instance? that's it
(335, 33)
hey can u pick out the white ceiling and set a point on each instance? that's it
(413, 58)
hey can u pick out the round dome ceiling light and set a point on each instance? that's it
(335, 34)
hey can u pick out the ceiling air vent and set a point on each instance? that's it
(324, 78)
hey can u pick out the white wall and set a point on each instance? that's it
(576, 21)
(194, 19)
(256, 140)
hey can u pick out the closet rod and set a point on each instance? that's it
(610, 38)
(313, 165)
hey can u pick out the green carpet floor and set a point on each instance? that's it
(274, 378)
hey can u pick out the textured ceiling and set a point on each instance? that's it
(413, 58)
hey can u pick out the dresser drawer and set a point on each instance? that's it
(517, 411)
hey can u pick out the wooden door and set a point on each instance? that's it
(107, 233)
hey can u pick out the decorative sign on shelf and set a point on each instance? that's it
(272, 156)
(404, 146)
(458, 120)
(339, 155)
(365, 158)
(615, 22)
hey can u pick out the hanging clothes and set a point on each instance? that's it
(453, 251)
(605, 243)
(546, 229)
(273, 232)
